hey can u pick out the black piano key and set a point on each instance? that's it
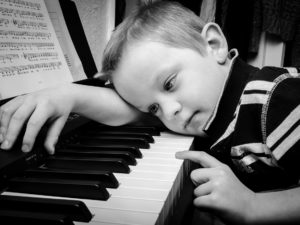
(132, 149)
(59, 187)
(106, 178)
(73, 209)
(103, 164)
(13, 217)
(154, 131)
(128, 134)
(94, 141)
(126, 156)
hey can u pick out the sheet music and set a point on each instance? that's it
(30, 55)
(65, 40)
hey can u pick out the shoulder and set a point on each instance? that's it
(280, 88)
(281, 117)
(273, 81)
(284, 97)
(284, 91)
(270, 73)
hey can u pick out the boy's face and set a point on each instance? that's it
(179, 86)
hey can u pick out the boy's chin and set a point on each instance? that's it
(194, 132)
(197, 132)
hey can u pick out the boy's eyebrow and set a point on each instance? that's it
(164, 73)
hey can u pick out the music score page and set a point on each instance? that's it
(30, 55)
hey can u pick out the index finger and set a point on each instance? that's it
(199, 157)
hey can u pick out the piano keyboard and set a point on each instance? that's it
(145, 195)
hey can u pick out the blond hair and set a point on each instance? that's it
(167, 22)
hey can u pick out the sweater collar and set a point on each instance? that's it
(228, 101)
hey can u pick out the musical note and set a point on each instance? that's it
(24, 35)
(40, 56)
(29, 68)
(4, 22)
(23, 4)
(16, 13)
(21, 46)
(28, 25)
(8, 58)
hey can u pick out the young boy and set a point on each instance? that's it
(164, 61)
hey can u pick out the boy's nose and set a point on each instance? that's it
(171, 109)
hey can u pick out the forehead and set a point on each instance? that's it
(146, 60)
(140, 68)
(140, 55)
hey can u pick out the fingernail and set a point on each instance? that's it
(25, 148)
(5, 144)
(179, 155)
(52, 149)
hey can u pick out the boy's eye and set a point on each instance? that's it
(153, 108)
(169, 84)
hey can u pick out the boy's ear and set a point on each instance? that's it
(216, 40)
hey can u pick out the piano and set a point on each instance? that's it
(98, 175)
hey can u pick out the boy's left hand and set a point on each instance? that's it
(218, 189)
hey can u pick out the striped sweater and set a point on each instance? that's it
(256, 125)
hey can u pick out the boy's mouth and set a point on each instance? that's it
(190, 119)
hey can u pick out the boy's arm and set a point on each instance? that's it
(276, 207)
(53, 105)
(103, 105)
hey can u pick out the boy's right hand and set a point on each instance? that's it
(35, 109)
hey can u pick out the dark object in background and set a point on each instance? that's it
(78, 37)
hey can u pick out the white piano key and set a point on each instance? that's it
(144, 182)
(160, 161)
(150, 167)
(165, 148)
(140, 205)
(119, 214)
(143, 205)
(124, 216)
(171, 146)
(157, 154)
(164, 176)
(97, 223)
(172, 141)
(139, 193)
(174, 136)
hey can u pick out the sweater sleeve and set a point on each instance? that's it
(282, 123)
